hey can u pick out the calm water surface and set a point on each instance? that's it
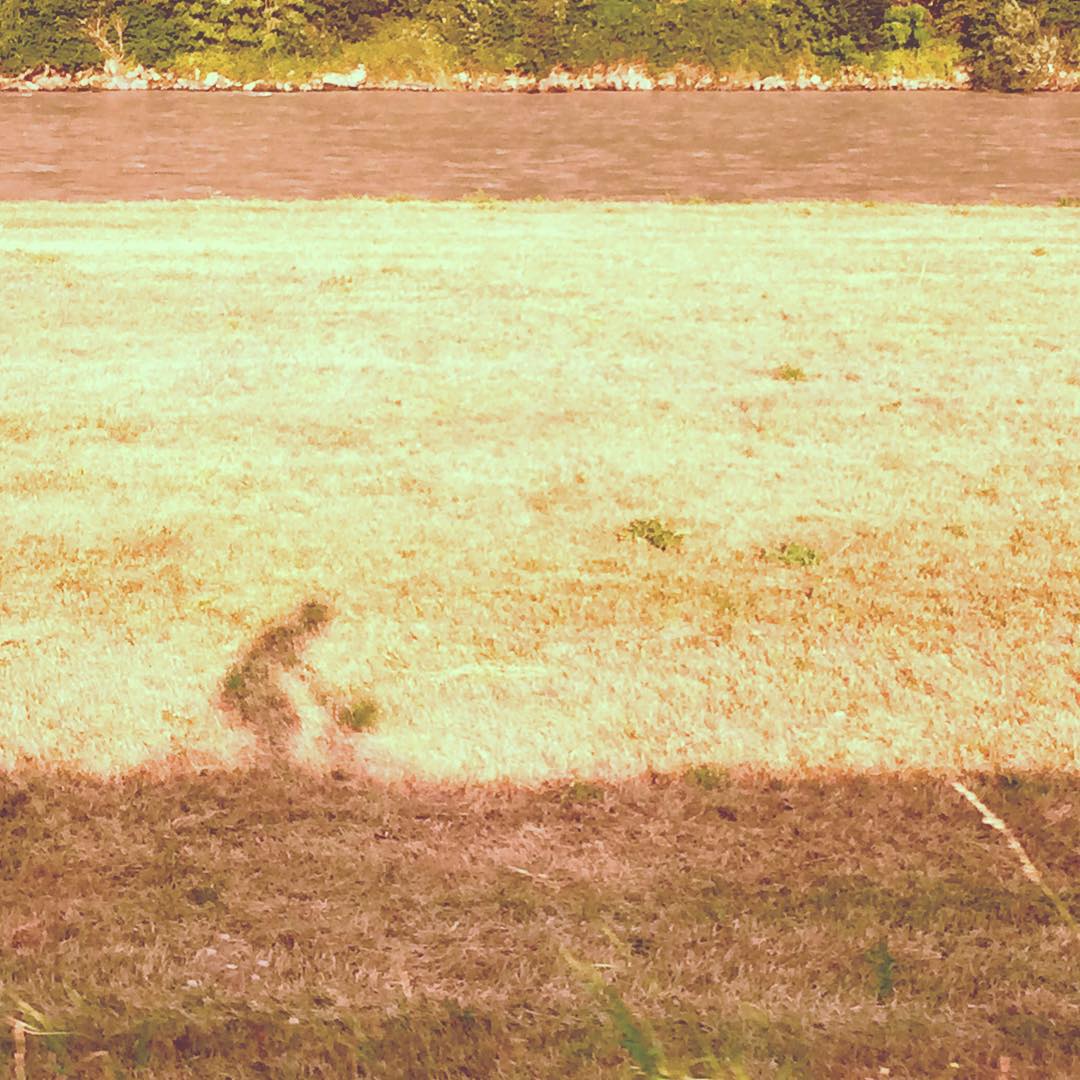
(923, 147)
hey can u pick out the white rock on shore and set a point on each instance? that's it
(351, 81)
(114, 75)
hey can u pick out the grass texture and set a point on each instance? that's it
(407, 607)
(444, 421)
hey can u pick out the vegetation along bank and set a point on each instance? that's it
(539, 45)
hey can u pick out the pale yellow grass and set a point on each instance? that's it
(438, 417)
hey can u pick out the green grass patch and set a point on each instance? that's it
(790, 373)
(654, 532)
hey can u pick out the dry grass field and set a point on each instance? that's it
(399, 600)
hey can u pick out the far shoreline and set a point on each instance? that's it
(619, 78)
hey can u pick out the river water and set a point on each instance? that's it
(927, 146)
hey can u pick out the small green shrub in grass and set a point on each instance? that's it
(653, 531)
(884, 965)
(362, 715)
(235, 683)
(792, 555)
(314, 614)
(707, 777)
(790, 373)
(580, 791)
(203, 894)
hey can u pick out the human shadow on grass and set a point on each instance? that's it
(252, 691)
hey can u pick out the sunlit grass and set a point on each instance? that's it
(443, 417)
(491, 491)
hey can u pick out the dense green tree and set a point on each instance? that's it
(153, 35)
(37, 32)
(54, 32)
(1009, 43)
(266, 25)
(828, 30)
(352, 20)
(713, 32)
(484, 30)
(906, 26)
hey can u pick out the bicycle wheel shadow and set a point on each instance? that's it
(274, 693)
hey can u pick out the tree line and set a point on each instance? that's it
(1005, 44)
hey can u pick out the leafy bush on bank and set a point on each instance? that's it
(1009, 44)
(1018, 55)
(409, 50)
(406, 50)
(1006, 43)
(938, 60)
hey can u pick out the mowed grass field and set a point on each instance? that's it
(640, 578)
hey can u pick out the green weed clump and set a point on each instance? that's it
(793, 554)
(884, 964)
(361, 715)
(580, 791)
(707, 777)
(790, 373)
(235, 683)
(653, 531)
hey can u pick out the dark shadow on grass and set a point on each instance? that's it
(250, 691)
(282, 922)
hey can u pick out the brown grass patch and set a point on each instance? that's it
(830, 925)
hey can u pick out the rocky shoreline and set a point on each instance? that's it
(620, 77)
